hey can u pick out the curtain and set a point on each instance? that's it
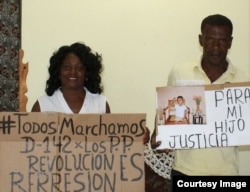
(10, 43)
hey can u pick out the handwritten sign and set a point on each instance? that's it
(228, 121)
(71, 153)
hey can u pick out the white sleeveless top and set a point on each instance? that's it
(93, 103)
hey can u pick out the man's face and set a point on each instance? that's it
(215, 40)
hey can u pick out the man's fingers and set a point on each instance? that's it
(164, 150)
(155, 144)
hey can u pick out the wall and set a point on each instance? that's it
(139, 41)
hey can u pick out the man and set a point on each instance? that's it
(212, 68)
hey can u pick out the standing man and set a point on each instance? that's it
(212, 68)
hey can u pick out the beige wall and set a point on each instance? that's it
(139, 39)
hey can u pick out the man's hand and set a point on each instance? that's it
(155, 144)
(146, 136)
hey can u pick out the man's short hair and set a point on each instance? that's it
(219, 20)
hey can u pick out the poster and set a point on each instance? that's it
(211, 116)
(71, 153)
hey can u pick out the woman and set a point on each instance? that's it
(74, 84)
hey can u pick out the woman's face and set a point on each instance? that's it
(72, 72)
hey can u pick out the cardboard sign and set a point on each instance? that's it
(71, 153)
(223, 121)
